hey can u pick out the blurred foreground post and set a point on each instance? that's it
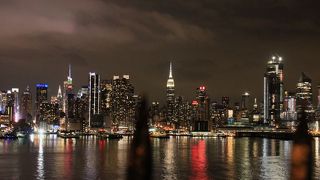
(140, 160)
(302, 160)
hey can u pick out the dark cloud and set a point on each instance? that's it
(222, 44)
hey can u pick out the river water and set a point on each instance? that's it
(50, 157)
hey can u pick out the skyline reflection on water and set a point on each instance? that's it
(49, 157)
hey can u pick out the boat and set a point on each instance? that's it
(22, 134)
(68, 134)
(159, 134)
(104, 135)
(115, 136)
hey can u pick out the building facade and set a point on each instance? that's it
(273, 91)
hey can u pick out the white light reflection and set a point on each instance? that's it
(169, 161)
(40, 160)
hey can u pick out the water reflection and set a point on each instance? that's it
(40, 160)
(50, 157)
(199, 160)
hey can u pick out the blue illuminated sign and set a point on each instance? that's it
(42, 85)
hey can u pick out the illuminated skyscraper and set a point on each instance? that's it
(60, 98)
(15, 92)
(289, 109)
(10, 106)
(41, 97)
(3, 101)
(170, 97)
(26, 103)
(244, 112)
(245, 101)
(123, 102)
(68, 89)
(273, 91)
(81, 107)
(106, 90)
(94, 97)
(202, 108)
(304, 93)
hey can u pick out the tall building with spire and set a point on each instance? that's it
(273, 91)
(170, 97)
(68, 89)
(60, 98)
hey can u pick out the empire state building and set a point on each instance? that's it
(170, 97)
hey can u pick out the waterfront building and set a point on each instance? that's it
(273, 91)
(170, 98)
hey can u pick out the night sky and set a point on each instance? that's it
(224, 44)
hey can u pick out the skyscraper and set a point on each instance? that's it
(41, 97)
(60, 98)
(170, 97)
(15, 92)
(81, 107)
(123, 102)
(94, 97)
(273, 91)
(202, 108)
(10, 106)
(304, 93)
(68, 89)
(106, 90)
(289, 115)
(26, 103)
(3, 101)
(245, 101)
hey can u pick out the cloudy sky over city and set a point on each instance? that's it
(221, 44)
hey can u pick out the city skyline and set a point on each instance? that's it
(207, 43)
(52, 91)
